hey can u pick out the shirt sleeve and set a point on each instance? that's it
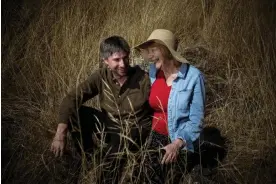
(196, 115)
(76, 97)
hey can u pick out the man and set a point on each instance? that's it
(123, 93)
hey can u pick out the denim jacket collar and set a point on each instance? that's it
(181, 74)
(183, 70)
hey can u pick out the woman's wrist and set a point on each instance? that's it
(179, 142)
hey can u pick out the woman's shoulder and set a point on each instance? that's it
(192, 70)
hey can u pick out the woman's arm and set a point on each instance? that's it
(196, 115)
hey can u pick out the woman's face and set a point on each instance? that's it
(154, 54)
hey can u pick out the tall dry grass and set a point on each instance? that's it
(55, 46)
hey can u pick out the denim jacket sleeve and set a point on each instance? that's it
(191, 131)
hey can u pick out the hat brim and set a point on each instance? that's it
(176, 55)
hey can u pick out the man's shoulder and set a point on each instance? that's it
(96, 76)
(137, 71)
(136, 68)
(100, 72)
(140, 80)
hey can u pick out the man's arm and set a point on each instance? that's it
(59, 141)
(69, 106)
(75, 98)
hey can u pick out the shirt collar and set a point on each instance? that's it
(182, 71)
(181, 74)
(130, 72)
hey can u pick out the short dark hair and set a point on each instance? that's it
(113, 44)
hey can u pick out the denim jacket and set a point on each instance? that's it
(186, 104)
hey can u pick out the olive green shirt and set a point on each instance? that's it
(125, 104)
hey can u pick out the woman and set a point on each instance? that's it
(178, 98)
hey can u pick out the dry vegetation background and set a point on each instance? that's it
(49, 46)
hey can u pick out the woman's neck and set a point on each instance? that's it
(169, 68)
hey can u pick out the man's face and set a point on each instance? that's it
(118, 63)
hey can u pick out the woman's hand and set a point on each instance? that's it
(172, 151)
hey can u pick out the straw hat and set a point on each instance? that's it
(166, 38)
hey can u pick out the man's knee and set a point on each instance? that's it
(87, 118)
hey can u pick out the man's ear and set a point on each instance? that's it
(105, 61)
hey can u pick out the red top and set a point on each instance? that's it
(158, 100)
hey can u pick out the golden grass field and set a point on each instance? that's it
(50, 46)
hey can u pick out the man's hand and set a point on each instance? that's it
(59, 142)
(172, 151)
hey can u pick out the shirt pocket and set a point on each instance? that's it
(134, 100)
(183, 99)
